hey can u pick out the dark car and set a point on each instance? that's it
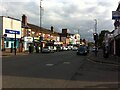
(82, 50)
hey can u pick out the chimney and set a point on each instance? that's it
(64, 31)
(52, 29)
(24, 20)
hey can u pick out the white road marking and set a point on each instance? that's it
(49, 64)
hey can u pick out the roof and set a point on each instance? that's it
(118, 8)
(11, 18)
(41, 30)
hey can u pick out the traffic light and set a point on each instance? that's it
(95, 35)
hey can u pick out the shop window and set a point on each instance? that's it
(7, 44)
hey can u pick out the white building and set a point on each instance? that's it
(8, 27)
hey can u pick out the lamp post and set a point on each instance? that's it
(41, 44)
(40, 14)
(95, 37)
(95, 25)
(15, 43)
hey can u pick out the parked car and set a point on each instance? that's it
(65, 48)
(55, 48)
(74, 48)
(70, 47)
(59, 48)
(82, 50)
(47, 49)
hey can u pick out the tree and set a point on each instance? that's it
(101, 37)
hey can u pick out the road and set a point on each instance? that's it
(57, 70)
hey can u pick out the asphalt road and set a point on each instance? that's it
(57, 70)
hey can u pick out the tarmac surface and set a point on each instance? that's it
(115, 60)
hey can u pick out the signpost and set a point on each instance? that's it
(15, 44)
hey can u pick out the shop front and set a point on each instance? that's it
(28, 41)
(11, 40)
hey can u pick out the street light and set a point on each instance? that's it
(95, 37)
(40, 14)
(41, 44)
(95, 25)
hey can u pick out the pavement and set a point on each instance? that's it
(7, 54)
(112, 59)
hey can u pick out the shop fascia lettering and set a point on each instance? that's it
(28, 39)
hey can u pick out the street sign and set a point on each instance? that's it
(115, 14)
(12, 31)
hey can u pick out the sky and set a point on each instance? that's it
(78, 16)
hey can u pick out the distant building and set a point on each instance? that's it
(33, 34)
(66, 37)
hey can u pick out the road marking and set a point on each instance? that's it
(66, 62)
(49, 64)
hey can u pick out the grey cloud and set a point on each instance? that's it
(104, 3)
(63, 16)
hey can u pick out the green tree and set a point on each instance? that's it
(101, 37)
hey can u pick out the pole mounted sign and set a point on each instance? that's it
(115, 14)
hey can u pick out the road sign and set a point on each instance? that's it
(12, 31)
(115, 14)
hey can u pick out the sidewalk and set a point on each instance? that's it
(4, 54)
(100, 59)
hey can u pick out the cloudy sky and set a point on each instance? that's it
(75, 15)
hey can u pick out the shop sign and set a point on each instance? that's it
(28, 39)
(12, 31)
